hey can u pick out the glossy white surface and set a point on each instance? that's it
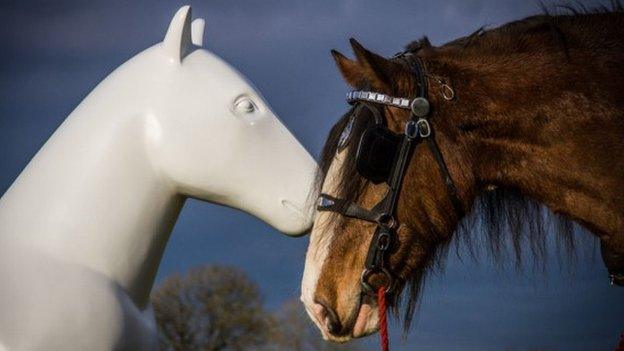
(84, 226)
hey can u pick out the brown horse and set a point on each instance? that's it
(537, 119)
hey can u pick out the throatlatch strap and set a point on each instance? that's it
(450, 185)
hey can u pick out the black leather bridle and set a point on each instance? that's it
(383, 156)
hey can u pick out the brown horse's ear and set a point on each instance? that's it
(351, 71)
(378, 70)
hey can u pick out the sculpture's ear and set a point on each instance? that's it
(197, 31)
(178, 42)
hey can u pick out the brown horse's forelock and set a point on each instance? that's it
(350, 185)
(503, 215)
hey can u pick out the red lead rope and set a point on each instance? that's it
(383, 322)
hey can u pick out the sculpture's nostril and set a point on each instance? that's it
(292, 207)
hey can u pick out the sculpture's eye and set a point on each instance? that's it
(245, 108)
(244, 104)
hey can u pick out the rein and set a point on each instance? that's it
(378, 145)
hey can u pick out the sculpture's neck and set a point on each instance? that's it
(90, 196)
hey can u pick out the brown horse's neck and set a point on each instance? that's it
(545, 121)
(562, 146)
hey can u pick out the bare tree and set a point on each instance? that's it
(211, 308)
(219, 308)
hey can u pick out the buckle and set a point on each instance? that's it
(424, 128)
(411, 129)
(324, 202)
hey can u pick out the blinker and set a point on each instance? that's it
(376, 153)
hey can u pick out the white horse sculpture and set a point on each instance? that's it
(84, 226)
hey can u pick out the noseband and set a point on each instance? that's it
(383, 156)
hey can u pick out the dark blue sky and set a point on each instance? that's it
(54, 52)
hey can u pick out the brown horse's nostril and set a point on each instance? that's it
(328, 317)
(333, 323)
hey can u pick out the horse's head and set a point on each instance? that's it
(339, 245)
(212, 136)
